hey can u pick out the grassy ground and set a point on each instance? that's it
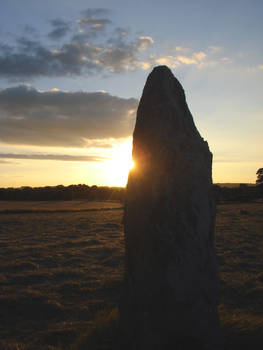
(58, 206)
(239, 242)
(61, 273)
(56, 271)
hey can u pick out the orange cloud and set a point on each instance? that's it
(168, 61)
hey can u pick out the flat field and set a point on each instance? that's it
(57, 206)
(62, 263)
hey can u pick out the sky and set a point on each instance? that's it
(72, 73)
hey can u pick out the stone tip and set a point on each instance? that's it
(162, 79)
(162, 71)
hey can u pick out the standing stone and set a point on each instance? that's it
(171, 282)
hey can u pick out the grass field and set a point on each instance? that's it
(57, 206)
(61, 272)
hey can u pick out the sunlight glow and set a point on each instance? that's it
(120, 164)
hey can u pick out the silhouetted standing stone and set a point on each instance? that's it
(171, 290)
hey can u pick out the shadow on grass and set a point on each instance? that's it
(240, 332)
(103, 333)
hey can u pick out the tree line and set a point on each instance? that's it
(239, 193)
(60, 192)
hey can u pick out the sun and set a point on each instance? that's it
(132, 165)
(120, 163)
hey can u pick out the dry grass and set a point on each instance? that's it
(239, 242)
(61, 273)
(56, 271)
(56, 206)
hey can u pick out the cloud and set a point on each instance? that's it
(95, 12)
(186, 60)
(99, 143)
(145, 65)
(227, 59)
(123, 56)
(199, 56)
(61, 28)
(85, 47)
(2, 161)
(236, 159)
(30, 31)
(67, 119)
(181, 48)
(170, 61)
(214, 49)
(62, 157)
(196, 58)
(94, 23)
(144, 41)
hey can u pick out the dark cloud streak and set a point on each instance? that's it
(61, 157)
(95, 12)
(61, 29)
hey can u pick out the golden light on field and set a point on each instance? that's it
(117, 168)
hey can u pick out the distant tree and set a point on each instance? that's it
(259, 176)
(60, 192)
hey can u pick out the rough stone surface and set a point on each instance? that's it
(171, 282)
